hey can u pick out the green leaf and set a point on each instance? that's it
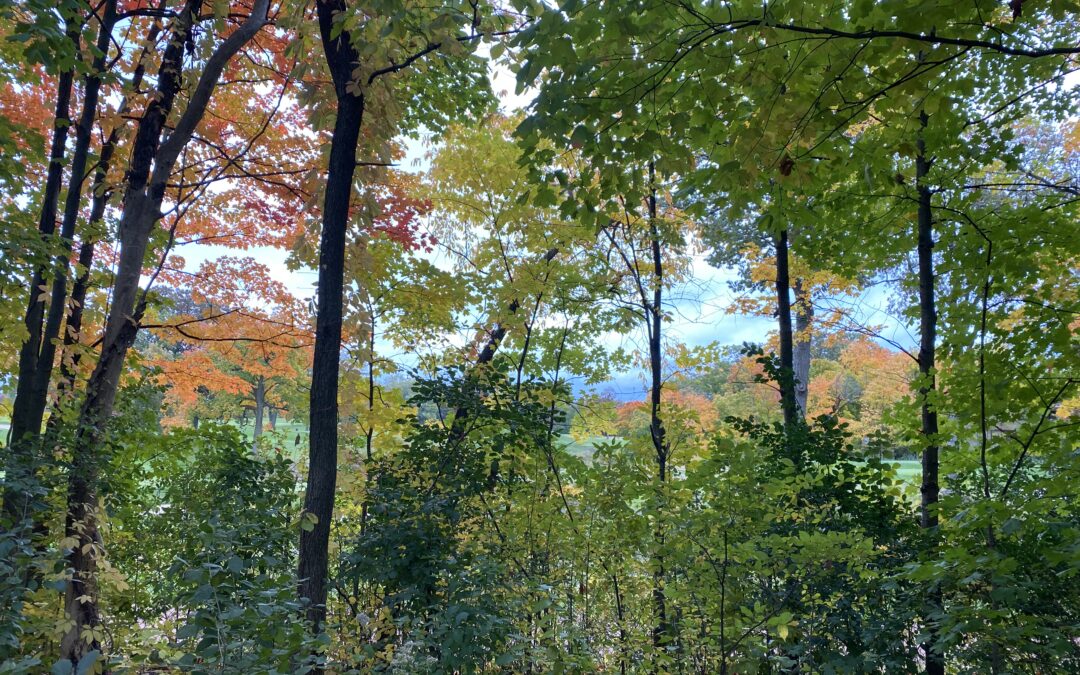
(62, 667)
(86, 663)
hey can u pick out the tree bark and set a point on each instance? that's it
(788, 399)
(624, 642)
(259, 394)
(22, 433)
(323, 440)
(369, 432)
(658, 433)
(804, 319)
(72, 201)
(935, 660)
(70, 356)
(152, 162)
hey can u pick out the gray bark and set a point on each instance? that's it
(259, 394)
(804, 318)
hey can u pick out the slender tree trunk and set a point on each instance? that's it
(487, 355)
(259, 394)
(935, 660)
(323, 440)
(369, 434)
(272, 413)
(22, 433)
(72, 202)
(788, 402)
(657, 431)
(804, 318)
(723, 608)
(152, 162)
(70, 356)
(620, 616)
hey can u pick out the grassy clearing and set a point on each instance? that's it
(907, 470)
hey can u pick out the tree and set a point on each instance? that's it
(220, 345)
(742, 516)
(436, 30)
(36, 355)
(151, 165)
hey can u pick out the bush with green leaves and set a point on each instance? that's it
(445, 600)
(206, 546)
(801, 540)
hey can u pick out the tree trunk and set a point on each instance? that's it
(369, 433)
(70, 356)
(323, 440)
(20, 459)
(657, 431)
(72, 202)
(81, 522)
(804, 319)
(152, 162)
(272, 413)
(620, 616)
(783, 314)
(935, 660)
(259, 394)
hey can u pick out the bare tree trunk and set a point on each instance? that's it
(152, 162)
(259, 394)
(935, 660)
(23, 433)
(783, 314)
(73, 200)
(804, 319)
(658, 433)
(323, 439)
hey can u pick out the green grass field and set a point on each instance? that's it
(908, 470)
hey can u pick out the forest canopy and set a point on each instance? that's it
(519, 336)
